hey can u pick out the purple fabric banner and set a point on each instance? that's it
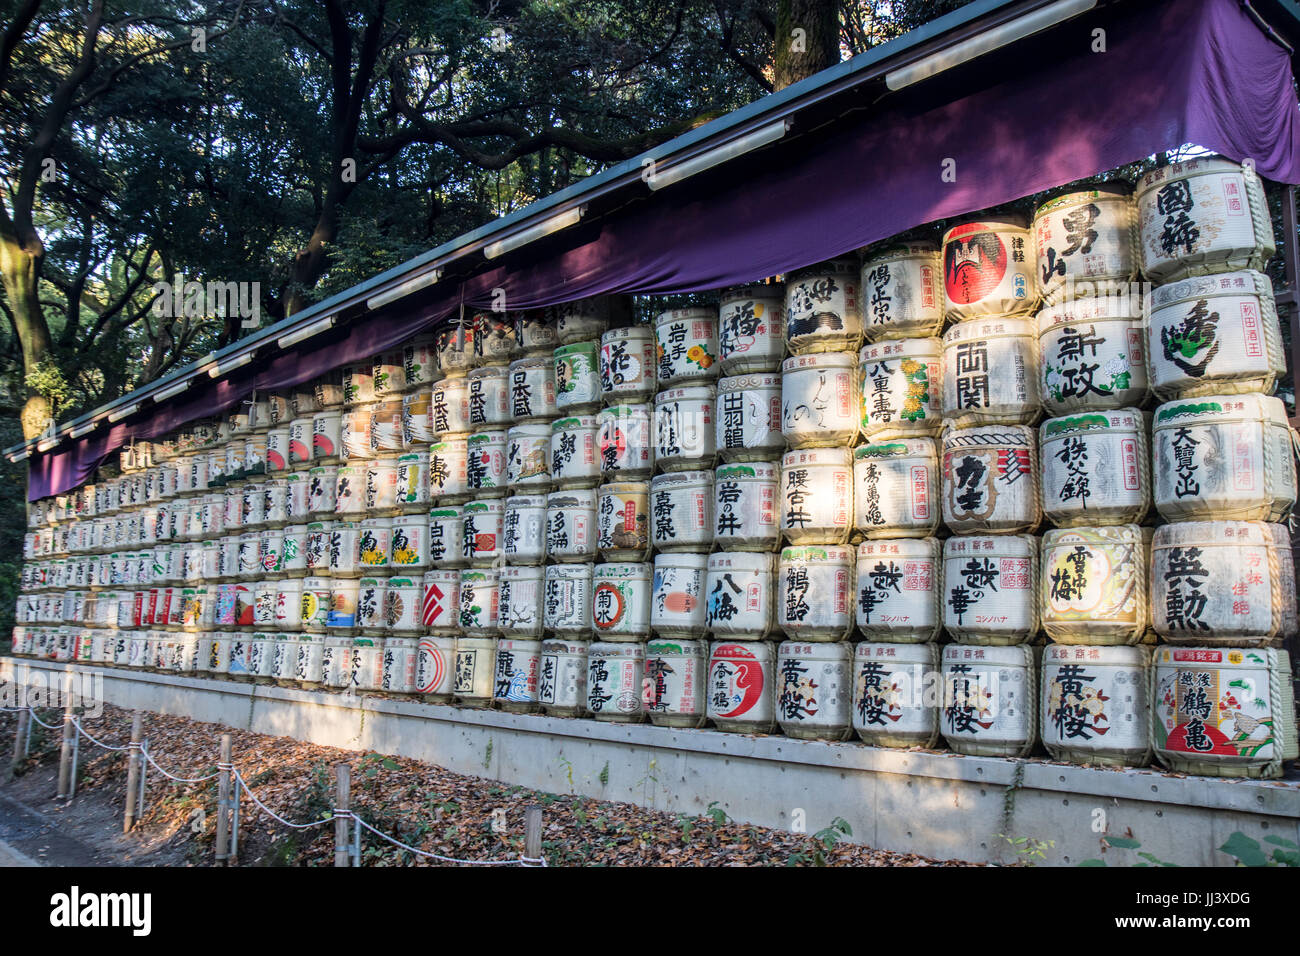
(1173, 72)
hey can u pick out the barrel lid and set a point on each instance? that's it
(1241, 282)
(489, 371)
(484, 505)
(991, 327)
(817, 552)
(845, 265)
(447, 511)
(817, 456)
(743, 560)
(895, 251)
(572, 570)
(990, 222)
(526, 501)
(633, 570)
(626, 488)
(664, 647)
(774, 291)
(796, 363)
(1224, 408)
(683, 478)
(534, 429)
(587, 345)
(898, 448)
(626, 332)
(1198, 166)
(1076, 193)
(488, 436)
(571, 498)
(1120, 419)
(1017, 545)
(900, 653)
(685, 392)
(900, 348)
(634, 651)
(692, 314)
(737, 383)
(573, 421)
(1018, 655)
(904, 547)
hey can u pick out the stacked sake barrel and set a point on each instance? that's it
(1222, 581)
(820, 405)
(897, 605)
(989, 487)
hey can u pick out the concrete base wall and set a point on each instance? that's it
(937, 804)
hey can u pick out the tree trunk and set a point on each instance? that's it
(19, 268)
(807, 39)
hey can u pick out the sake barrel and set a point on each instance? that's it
(447, 537)
(817, 495)
(739, 595)
(570, 525)
(449, 402)
(489, 402)
(899, 590)
(482, 526)
(1216, 583)
(350, 491)
(518, 663)
(681, 510)
(566, 604)
(434, 663)
(1286, 574)
(252, 506)
(684, 435)
(745, 509)
(336, 661)
(534, 332)
(417, 417)
(288, 605)
(519, 612)
(628, 371)
(449, 469)
(314, 604)
(454, 347)
(358, 383)
(622, 521)
(900, 291)
(583, 319)
(249, 549)
(751, 328)
(988, 268)
(621, 601)
(1095, 468)
(815, 593)
(277, 449)
(388, 374)
(261, 657)
(528, 457)
(284, 664)
(399, 665)
(1223, 711)
(367, 666)
(1223, 456)
(819, 399)
(990, 479)
(1095, 708)
(896, 694)
(419, 362)
(343, 604)
(327, 436)
(901, 388)
(614, 681)
(686, 346)
(296, 506)
(403, 604)
(411, 483)
(1215, 335)
(355, 432)
(990, 700)
(741, 697)
(676, 675)
(524, 530)
(275, 502)
(344, 559)
(485, 464)
(990, 372)
(381, 486)
(494, 338)
(1086, 235)
(440, 608)
(322, 491)
(1091, 353)
(896, 488)
(747, 417)
(375, 544)
(1093, 586)
(577, 379)
(575, 462)
(814, 690)
(479, 602)
(991, 589)
(308, 667)
(677, 608)
(1202, 216)
(822, 308)
(370, 605)
(625, 442)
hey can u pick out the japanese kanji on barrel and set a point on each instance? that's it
(1096, 705)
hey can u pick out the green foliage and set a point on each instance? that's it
(1029, 850)
(1249, 852)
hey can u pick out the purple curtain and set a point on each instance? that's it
(1173, 72)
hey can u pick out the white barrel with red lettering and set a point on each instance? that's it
(901, 388)
(1095, 467)
(815, 593)
(741, 696)
(817, 495)
(896, 693)
(899, 590)
(990, 700)
(896, 488)
(676, 677)
(814, 690)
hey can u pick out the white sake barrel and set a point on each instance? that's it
(745, 509)
(275, 502)
(575, 462)
(489, 402)
(370, 605)
(1201, 216)
(899, 589)
(319, 534)
(367, 671)
(814, 691)
(485, 464)
(1095, 468)
(252, 505)
(1223, 711)
(218, 653)
(419, 361)
(355, 432)
(519, 611)
(819, 399)
(990, 479)
(249, 565)
(817, 495)
(676, 676)
(686, 346)
(440, 607)
(822, 308)
(261, 657)
(990, 372)
(1215, 335)
(896, 488)
(814, 593)
(447, 537)
(403, 605)
(577, 379)
(449, 469)
(375, 544)
(1086, 236)
(350, 491)
(900, 291)
(1286, 574)
(296, 508)
(681, 511)
(900, 390)
(684, 435)
(417, 417)
(336, 661)
(621, 601)
(434, 665)
(450, 406)
(566, 605)
(1093, 585)
(988, 268)
(1216, 582)
(570, 525)
(381, 486)
(625, 442)
(358, 383)
(322, 491)
(991, 589)
(583, 319)
(523, 529)
(677, 607)
(528, 457)
(518, 665)
(326, 436)
(388, 374)
(454, 348)
(308, 667)
(1091, 353)
(343, 604)
(1223, 456)
(622, 521)
(345, 549)
(896, 694)
(739, 595)
(628, 371)
(614, 681)
(535, 333)
(742, 678)
(1095, 707)
(399, 665)
(411, 482)
(284, 664)
(751, 328)
(314, 604)
(288, 605)
(482, 526)
(479, 601)
(494, 338)
(990, 700)
(747, 417)
(277, 450)
(302, 401)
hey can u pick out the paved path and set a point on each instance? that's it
(11, 857)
